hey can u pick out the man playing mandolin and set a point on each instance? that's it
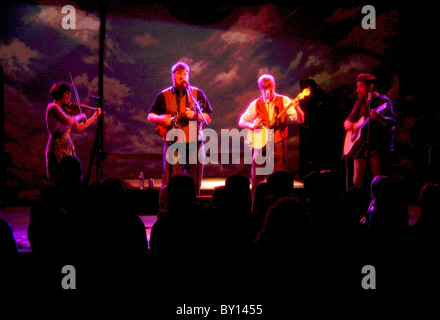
(369, 127)
(273, 111)
(174, 107)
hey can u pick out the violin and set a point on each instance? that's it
(74, 109)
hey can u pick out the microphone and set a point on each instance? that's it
(94, 98)
(185, 82)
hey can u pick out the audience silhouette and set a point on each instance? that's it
(8, 254)
(286, 236)
(425, 229)
(316, 239)
(51, 230)
(112, 240)
(278, 184)
(323, 200)
(387, 232)
(236, 217)
(8, 246)
(425, 239)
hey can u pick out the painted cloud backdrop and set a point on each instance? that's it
(327, 44)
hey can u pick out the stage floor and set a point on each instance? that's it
(208, 184)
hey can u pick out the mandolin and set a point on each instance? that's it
(175, 123)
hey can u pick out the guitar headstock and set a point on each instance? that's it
(306, 92)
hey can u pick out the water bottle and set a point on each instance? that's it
(141, 180)
(151, 183)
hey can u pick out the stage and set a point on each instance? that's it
(208, 184)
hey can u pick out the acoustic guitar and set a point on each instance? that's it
(355, 139)
(257, 138)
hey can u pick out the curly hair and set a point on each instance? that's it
(58, 89)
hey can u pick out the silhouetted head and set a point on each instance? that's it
(430, 202)
(280, 182)
(113, 190)
(384, 189)
(354, 204)
(181, 192)
(319, 184)
(238, 185)
(286, 222)
(70, 170)
(220, 197)
(8, 246)
(388, 212)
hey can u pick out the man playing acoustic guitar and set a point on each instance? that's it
(174, 107)
(273, 111)
(369, 127)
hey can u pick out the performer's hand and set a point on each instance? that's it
(80, 118)
(166, 120)
(374, 115)
(348, 125)
(97, 112)
(189, 114)
(257, 124)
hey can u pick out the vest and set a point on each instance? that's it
(281, 125)
(172, 107)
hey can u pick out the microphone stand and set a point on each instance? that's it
(198, 111)
(368, 127)
(97, 149)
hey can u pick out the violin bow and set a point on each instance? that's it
(75, 91)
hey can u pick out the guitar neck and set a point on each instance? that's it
(282, 112)
(378, 109)
(364, 123)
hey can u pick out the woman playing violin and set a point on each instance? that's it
(60, 120)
